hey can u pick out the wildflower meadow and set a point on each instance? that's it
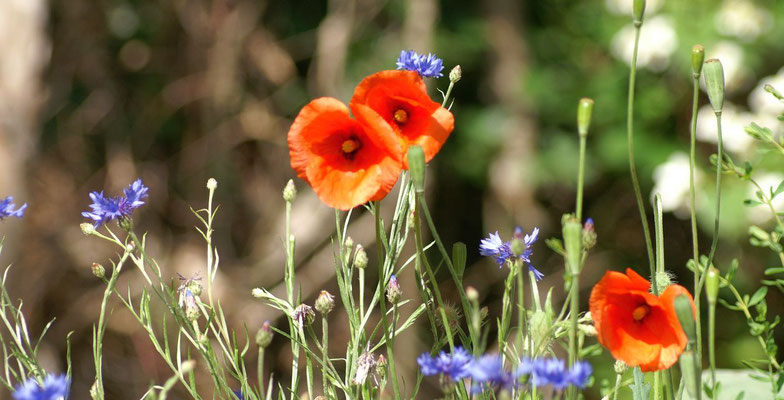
(634, 252)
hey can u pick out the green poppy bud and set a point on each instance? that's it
(697, 59)
(714, 82)
(584, 113)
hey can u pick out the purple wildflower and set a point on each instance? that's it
(105, 209)
(55, 387)
(580, 373)
(7, 208)
(501, 251)
(489, 370)
(428, 66)
(456, 365)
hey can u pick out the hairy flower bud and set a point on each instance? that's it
(455, 74)
(394, 292)
(589, 234)
(620, 367)
(212, 184)
(264, 335)
(349, 243)
(290, 191)
(714, 82)
(381, 366)
(360, 257)
(325, 302)
(87, 228)
(98, 270)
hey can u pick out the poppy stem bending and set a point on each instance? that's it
(698, 55)
(630, 145)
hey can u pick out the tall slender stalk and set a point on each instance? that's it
(101, 329)
(382, 279)
(630, 142)
(719, 160)
(697, 56)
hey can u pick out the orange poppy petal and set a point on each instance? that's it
(344, 163)
(400, 98)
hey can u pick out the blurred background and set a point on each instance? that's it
(96, 94)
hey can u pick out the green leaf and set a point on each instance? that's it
(640, 389)
(751, 203)
(779, 189)
(459, 258)
(758, 295)
(774, 270)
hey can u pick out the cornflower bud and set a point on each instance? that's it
(98, 270)
(125, 223)
(584, 113)
(455, 74)
(366, 363)
(381, 366)
(303, 315)
(349, 243)
(589, 234)
(290, 191)
(714, 82)
(325, 302)
(620, 367)
(212, 184)
(697, 59)
(394, 292)
(712, 285)
(360, 257)
(192, 311)
(264, 335)
(87, 228)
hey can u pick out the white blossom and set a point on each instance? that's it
(733, 124)
(658, 41)
(671, 181)
(768, 181)
(742, 19)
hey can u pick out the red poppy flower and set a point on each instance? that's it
(346, 162)
(400, 98)
(638, 327)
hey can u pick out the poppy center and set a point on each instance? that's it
(400, 116)
(350, 147)
(640, 312)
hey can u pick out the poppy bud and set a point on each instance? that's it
(290, 192)
(683, 308)
(416, 165)
(455, 74)
(325, 302)
(212, 184)
(584, 113)
(690, 373)
(714, 82)
(712, 285)
(638, 11)
(264, 335)
(697, 59)
(98, 270)
(360, 257)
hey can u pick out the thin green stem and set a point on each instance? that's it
(617, 387)
(260, 371)
(382, 280)
(391, 353)
(521, 309)
(693, 208)
(659, 231)
(101, 329)
(719, 160)
(581, 179)
(308, 362)
(448, 92)
(324, 354)
(630, 142)
(712, 343)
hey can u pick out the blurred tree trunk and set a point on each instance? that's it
(511, 172)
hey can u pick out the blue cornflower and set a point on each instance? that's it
(55, 387)
(105, 209)
(519, 248)
(489, 369)
(456, 365)
(238, 393)
(7, 208)
(550, 371)
(428, 66)
(580, 373)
